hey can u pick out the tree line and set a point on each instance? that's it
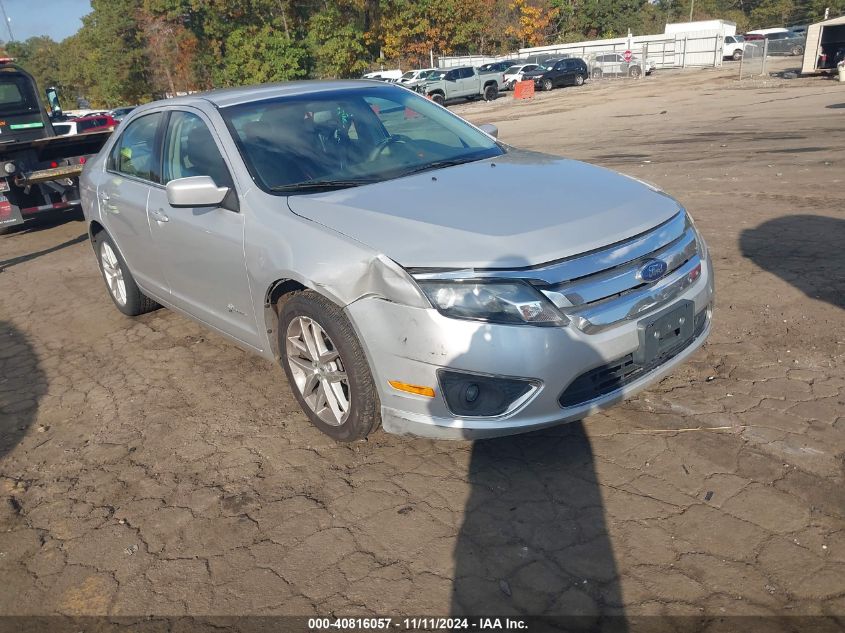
(132, 51)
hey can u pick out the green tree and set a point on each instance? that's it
(337, 43)
(260, 55)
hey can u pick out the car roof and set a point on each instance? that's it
(225, 97)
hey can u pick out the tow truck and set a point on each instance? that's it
(39, 171)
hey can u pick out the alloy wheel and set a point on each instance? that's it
(113, 273)
(318, 370)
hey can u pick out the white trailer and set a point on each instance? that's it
(825, 46)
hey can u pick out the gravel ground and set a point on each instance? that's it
(149, 467)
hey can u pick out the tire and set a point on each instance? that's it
(737, 55)
(797, 50)
(597, 73)
(491, 92)
(635, 72)
(579, 80)
(547, 84)
(122, 289)
(334, 334)
(438, 98)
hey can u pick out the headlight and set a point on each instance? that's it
(509, 302)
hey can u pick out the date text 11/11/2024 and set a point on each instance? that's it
(417, 623)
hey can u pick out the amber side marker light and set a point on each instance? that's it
(415, 389)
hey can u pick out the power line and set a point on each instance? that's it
(7, 21)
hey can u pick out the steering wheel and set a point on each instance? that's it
(384, 144)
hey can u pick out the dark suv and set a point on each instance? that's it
(562, 72)
(786, 43)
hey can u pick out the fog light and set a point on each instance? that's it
(482, 396)
(471, 393)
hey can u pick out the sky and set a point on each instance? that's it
(56, 18)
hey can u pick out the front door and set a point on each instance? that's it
(132, 172)
(202, 248)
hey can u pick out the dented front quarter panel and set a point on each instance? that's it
(280, 245)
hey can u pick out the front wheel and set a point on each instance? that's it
(635, 72)
(491, 92)
(737, 55)
(797, 50)
(123, 290)
(326, 367)
(597, 73)
(547, 84)
(438, 98)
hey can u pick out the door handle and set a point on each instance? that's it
(159, 215)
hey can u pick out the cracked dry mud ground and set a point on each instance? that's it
(149, 467)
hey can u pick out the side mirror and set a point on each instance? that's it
(53, 101)
(489, 129)
(195, 191)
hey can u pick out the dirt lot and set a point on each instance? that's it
(149, 467)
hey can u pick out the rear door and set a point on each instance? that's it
(202, 248)
(132, 171)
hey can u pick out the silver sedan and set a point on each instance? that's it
(375, 245)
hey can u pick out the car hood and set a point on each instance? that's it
(518, 209)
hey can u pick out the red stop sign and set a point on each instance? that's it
(628, 55)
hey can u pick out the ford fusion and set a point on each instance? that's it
(373, 243)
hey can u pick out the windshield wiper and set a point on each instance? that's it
(439, 164)
(322, 185)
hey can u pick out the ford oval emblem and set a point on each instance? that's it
(652, 270)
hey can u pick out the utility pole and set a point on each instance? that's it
(7, 21)
(691, 7)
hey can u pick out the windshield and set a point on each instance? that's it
(345, 138)
(409, 74)
(739, 38)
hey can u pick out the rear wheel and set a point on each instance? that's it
(579, 80)
(797, 50)
(491, 91)
(547, 84)
(123, 290)
(326, 367)
(597, 73)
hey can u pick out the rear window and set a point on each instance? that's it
(16, 95)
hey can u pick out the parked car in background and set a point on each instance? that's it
(571, 71)
(120, 113)
(516, 73)
(614, 64)
(64, 128)
(413, 78)
(95, 123)
(464, 82)
(497, 67)
(733, 47)
(375, 246)
(786, 43)
(384, 75)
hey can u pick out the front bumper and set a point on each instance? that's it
(410, 344)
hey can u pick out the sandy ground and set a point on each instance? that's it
(149, 467)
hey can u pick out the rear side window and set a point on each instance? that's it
(465, 73)
(134, 153)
